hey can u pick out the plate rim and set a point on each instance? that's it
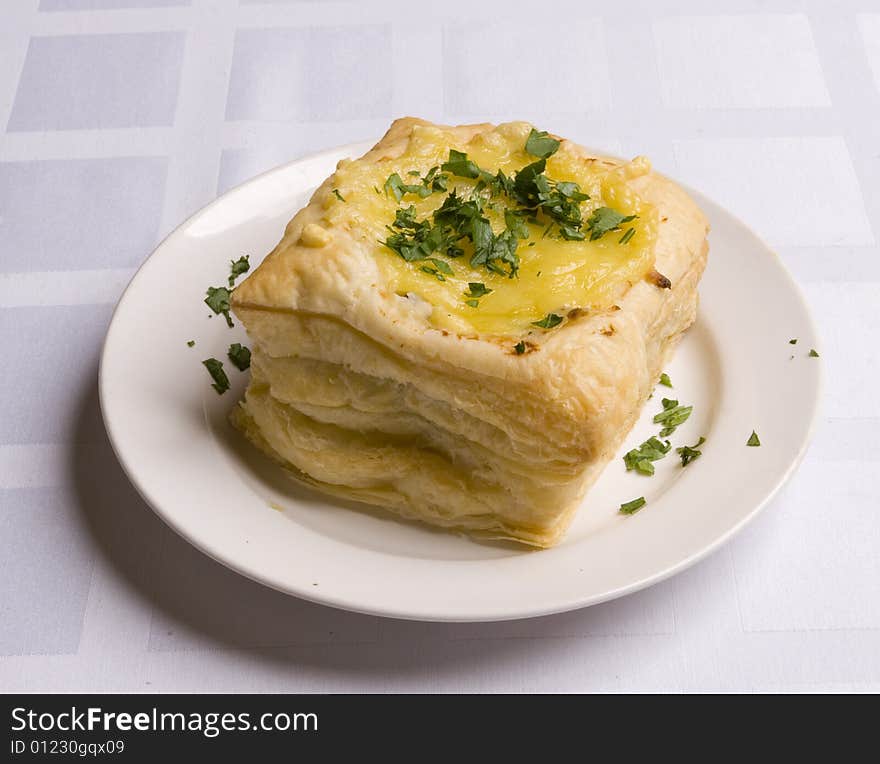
(341, 602)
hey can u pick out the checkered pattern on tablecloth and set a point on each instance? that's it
(122, 117)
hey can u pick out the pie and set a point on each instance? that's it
(463, 325)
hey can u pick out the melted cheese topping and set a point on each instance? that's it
(555, 275)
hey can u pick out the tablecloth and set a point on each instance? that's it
(120, 118)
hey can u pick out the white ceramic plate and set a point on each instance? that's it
(169, 430)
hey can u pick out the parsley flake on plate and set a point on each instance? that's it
(218, 300)
(237, 268)
(672, 416)
(641, 459)
(753, 439)
(215, 369)
(190, 343)
(631, 507)
(239, 355)
(664, 380)
(813, 353)
(689, 453)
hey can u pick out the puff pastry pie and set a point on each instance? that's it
(463, 324)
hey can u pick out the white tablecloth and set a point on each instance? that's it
(122, 117)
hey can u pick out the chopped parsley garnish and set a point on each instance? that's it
(459, 165)
(191, 343)
(531, 188)
(514, 223)
(215, 369)
(398, 188)
(477, 289)
(520, 347)
(605, 219)
(435, 180)
(753, 439)
(631, 507)
(237, 267)
(432, 271)
(813, 353)
(630, 232)
(454, 221)
(495, 251)
(641, 459)
(689, 453)
(548, 322)
(664, 380)
(461, 219)
(672, 416)
(339, 196)
(441, 265)
(218, 301)
(793, 342)
(437, 268)
(417, 240)
(558, 200)
(541, 145)
(472, 303)
(239, 355)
